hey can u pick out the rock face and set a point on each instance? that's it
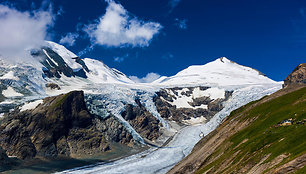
(54, 65)
(61, 125)
(142, 121)
(182, 104)
(298, 76)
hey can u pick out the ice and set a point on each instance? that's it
(106, 99)
(9, 75)
(10, 92)
(161, 160)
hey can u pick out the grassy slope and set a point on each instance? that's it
(262, 138)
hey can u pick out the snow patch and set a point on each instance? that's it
(212, 93)
(31, 105)
(193, 121)
(49, 57)
(9, 75)
(10, 92)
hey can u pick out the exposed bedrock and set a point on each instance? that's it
(142, 121)
(61, 125)
(183, 104)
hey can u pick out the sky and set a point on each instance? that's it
(148, 38)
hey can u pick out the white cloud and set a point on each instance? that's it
(69, 39)
(21, 31)
(182, 24)
(173, 4)
(117, 28)
(150, 77)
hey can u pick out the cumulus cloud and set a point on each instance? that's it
(181, 23)
(150, 77)
(173, 4)
(69, 39)
(21, 31)
(117, 28)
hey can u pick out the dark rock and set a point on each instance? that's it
(61, 125)
(142, 121)
(53, 86)
(4, 159)
(297, 76)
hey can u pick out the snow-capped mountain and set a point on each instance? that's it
(220, 72)
(150, 112)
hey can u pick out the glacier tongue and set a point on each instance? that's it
(105, 99)
(160, 160)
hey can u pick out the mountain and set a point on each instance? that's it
(220, 72)
(171, 111)
(264, 136)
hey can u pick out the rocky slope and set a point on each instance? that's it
(59, 126)
(190, 105)
(298, 76)
(265, 136)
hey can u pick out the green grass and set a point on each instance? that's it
(263, 136)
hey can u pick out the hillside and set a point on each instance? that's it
(265, 136)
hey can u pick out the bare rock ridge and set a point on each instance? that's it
(298, 76)
(60, 126)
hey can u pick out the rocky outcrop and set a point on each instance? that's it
(142, 121)
(298, 76)
(61, 125)
(53, 86)
(54, 64)
(165, 97)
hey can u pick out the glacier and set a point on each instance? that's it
(161, 160)
(107, 92)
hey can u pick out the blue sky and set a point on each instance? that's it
(166, 36)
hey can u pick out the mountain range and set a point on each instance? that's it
(63, 106)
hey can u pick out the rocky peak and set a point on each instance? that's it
(298, 76)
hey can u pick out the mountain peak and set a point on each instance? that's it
(224, 59)
(222, 71)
